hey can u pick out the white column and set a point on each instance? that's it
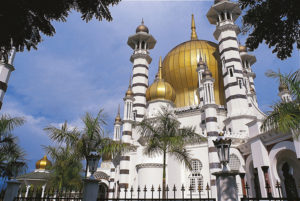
(5, 71)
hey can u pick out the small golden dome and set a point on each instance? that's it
(142, 28)
(43, 164)
(252, 90)
(160, 89)
(106, 157)
(207, 73)
(118, 117)
(243, 48)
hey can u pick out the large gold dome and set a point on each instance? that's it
(179, 69)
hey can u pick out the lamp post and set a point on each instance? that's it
(225, 179)
(223, 149)
(93, 160)
(91, 185)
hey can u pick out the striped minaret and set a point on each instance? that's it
(247, 61)
(223, 14)
(126, 138)
(117, 126)
(140, 42)
(111, 190)
(200, 69)
(210, 110)
(6, 67)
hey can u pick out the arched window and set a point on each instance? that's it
(234, 162)
(143, 45)
(222, 16)
(228, 16)
(196, 178)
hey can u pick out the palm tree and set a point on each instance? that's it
(163, 136)
(66, 168)
(285, 116)
(10, 151)
(91, 138)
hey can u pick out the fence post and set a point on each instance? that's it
(90, 189)
(11, 190)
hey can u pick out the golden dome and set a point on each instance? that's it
(179, 69)
(118, 117)
(142, 28)
(160, 89)
(242, 48)
(43, 164)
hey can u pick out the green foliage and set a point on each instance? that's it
(66, 168)
(163, 136)
(81, 143)
(277, 22)
(25, 21)
(10, 151)
(285, 116)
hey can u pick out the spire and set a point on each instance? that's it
(159, 74)
(118, 117)
(193, 27)
(142, 21)
(129, 92)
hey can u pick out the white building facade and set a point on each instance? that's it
(209, 86)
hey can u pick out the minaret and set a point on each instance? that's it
(247, 61)
(200, 69)
(126, 138)
(117, 126)
(6, 67)
(210, 110)
(141, 42)
(284, 92)
(223, 14)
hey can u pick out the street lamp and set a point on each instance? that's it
(223, 147)
(93, 160)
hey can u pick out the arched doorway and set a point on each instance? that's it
(103, 191)
(254, 181)
(288, 169)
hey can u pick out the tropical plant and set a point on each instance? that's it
(10, 151)
(25, 21)
(285, 116)
(276, 23)
(91, 138)
(163, 136)
(66, 168)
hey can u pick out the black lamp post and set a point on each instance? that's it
(93, 160)
(223, 148)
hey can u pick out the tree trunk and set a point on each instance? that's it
(164, 177)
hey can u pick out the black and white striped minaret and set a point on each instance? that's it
(6, 67)
(223, 14)
(211, 121)
(140, 42)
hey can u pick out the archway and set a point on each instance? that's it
(103, 191)
(288, 169)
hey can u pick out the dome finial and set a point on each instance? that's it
(118, 117)
(142, 21)
(193, 27)
(159, 76)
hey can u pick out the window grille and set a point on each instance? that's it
(196, 178)
(234, 162)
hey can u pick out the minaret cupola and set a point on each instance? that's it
(142, 28)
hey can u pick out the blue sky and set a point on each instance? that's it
(86, 66)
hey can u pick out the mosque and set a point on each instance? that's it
(210, 86)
